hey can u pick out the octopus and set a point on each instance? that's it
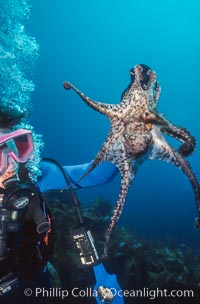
(136, 135)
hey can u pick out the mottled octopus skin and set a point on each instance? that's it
(136, 135)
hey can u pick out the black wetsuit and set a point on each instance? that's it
(25, 258)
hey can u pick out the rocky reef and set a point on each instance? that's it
(138, 263)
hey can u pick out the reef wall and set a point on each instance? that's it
(18, 52)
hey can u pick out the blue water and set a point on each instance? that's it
(94, 44)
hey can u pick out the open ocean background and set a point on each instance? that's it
(94, 44)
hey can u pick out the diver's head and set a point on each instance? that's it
(146, 78)
(9, 119)
(15, 147)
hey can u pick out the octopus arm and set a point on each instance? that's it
(103, 108)
(127, 170)
(161, 150)
(100, 157)
(178, 133)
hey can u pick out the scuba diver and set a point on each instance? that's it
(25, 219)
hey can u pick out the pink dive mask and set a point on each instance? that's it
(18, 145)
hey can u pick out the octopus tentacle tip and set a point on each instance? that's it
(67, 85)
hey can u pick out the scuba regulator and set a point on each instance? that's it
(16, 199)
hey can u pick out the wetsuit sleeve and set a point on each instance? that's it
(52, 177)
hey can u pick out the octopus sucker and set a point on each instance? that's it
(136, 135)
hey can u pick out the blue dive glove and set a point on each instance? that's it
(109, 281)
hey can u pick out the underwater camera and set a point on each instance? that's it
(85, 248)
